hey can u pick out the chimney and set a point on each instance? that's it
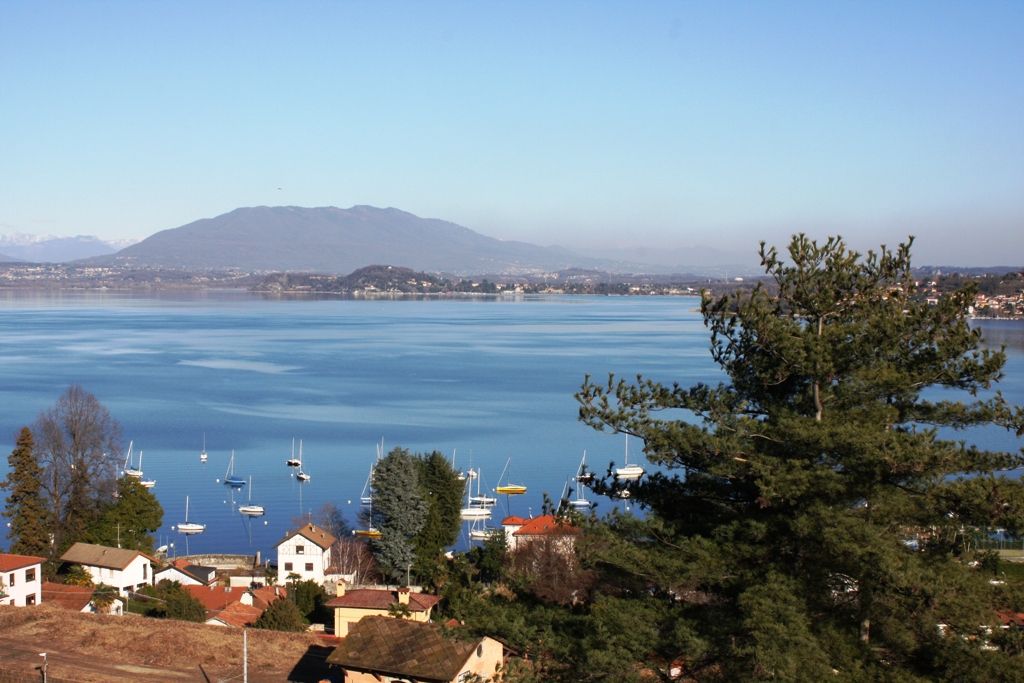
(339, 587)
(403, 595)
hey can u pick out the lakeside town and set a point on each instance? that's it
(1000, 294)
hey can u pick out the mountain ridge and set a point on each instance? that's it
(334, 240)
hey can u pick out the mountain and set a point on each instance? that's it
(4, 258)
(48, 249)
(333, 240)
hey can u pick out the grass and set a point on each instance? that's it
(163, 643)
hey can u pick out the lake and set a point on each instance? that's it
(487, 381)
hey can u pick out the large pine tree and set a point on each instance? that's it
(25, 508)
(399, 512)
(811, 519)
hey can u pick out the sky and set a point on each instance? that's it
(606, 124)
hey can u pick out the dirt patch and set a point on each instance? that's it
(120, 643)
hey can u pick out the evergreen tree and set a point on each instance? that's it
(399, 512)
(26, 509)
(810, 521)
(130, 520)
(441, 489)
(281, 615)
(171, 601)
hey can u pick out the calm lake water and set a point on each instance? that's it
(487, 380)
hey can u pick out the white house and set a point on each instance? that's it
(305, 553)
(186, 574)
(79, 599)
(125, 570)
(21, 579)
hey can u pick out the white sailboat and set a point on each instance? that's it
(301, 475)
(129, 470)
(629, 472)
(202, 454)
(480, 531)
(292, 461)
(366, 496)
(250, 510)
(190, 528)
(474, 510)
(580, 502)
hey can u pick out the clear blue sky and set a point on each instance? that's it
(658, 124)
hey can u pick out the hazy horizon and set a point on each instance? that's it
(615, 126)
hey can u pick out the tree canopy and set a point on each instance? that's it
(810, 518)
(416, 509)
(29, 533)
(130, 520)
(77, 440)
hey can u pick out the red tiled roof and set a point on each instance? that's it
(215, 597)
(10, 562)
(262, 597)
(1011, 618)
(377, 598)
(512, 520)
(314, 534)
(546, 525)
(70, 597)
(238, 615)
(401, 648)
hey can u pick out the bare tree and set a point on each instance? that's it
(353, 556)
(79, 446)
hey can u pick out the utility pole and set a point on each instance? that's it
(43, 655)
(245, 655)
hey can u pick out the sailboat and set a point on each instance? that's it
(202, 453)
(370, 531)
(474, 510)
(250, 510)
(480, 499)
(129, 470)
(230, 478)
(366, 496)
(292, 461)
(301, 475)
(627, 471)
(480, 531)
(190, 528)
(508, 488)
(580, 502)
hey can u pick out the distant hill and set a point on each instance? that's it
(333, 240)
(53, 249)
(4, 258)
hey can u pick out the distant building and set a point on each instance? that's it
(186, 574)
(383, 649)
(125, 570)
(352, 605)
(520, 532)
(78, 599)
(21, 579)
(305, 553)
(235, 607)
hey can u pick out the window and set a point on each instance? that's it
(10, 580)
(300, 550)
(30, 599)
(309, 566)
(30, 575)
(145, 568)
(287, 566)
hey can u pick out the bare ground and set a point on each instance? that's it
(89, 647)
